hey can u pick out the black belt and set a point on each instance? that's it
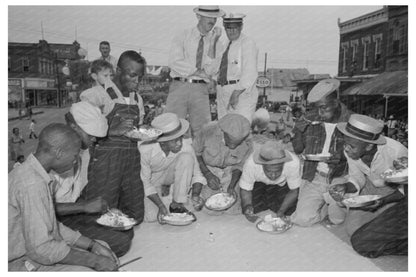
(232, 82)
(189, 80)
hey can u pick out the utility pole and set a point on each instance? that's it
(264, 74)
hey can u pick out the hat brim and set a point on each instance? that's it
(259, 160)
(342, 127)
(220, 13)
(181, 132)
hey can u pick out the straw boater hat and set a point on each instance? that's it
(271, 153)
(209, 11)
(323, 89)
(171, 126)
(363, 128)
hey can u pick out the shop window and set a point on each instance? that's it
(377, 50)
(366, 52)
(25, 64)
(344, 47)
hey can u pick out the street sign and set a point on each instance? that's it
(262, 82)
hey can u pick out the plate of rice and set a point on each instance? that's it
(274, 225)
(143, 134)
(116, 220)
(360, 200)
(220, 201)
(179, 219)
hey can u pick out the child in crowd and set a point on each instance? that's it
(32, 129)
(105, 91)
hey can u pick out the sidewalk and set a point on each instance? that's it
(14, 113)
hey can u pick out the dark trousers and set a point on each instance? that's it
(32, 134)
(270, 197)
(387, 234)
(119, 241)
(114, 174)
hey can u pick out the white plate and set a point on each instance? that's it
(220, 201)
(108, 220)
(270, 227)
(360, 200)
(143, 134)
(316, 157)
(179, 219)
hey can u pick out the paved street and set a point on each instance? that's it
(48, 116)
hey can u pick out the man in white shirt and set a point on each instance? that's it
(105, 54)
(270, 180)
(190, 60)
(170, 162)
(368, 154)
(236, 71)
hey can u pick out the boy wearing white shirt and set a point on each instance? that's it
(270, 180)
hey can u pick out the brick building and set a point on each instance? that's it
(373, 58)
(35, 72)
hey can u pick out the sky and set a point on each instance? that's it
(292, 36)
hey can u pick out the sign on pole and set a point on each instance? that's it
(262, 82)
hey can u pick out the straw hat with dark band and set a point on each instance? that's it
(209, 11)
(271, 153)
(171, 126)
(363, 128)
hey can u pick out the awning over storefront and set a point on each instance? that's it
(393, 83)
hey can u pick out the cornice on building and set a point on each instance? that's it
(364, 21)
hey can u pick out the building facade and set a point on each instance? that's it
(372, 46)
(35, 73)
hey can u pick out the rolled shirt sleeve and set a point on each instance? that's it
(293, 173)
(249, 72)
(248, 176)
(197, 176)
(146, 171)
(177, 59)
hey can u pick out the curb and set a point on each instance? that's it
(25, 116)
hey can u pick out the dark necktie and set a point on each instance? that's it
(199, 52)
(222, 77)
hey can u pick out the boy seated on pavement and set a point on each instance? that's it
(270, 180)
(170, 162)
(37, 241)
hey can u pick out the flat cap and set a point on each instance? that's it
(323, 89)
(235, 125)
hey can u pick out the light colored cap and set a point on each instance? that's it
(271, 152)
(323, 89)
(235, 125)
(261, 119)
(171, 126)
(89, 118)
(233, 18)
(363, 128)
(209, 11)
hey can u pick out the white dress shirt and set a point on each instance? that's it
(182, 55)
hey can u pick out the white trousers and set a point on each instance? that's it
(246, 102)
